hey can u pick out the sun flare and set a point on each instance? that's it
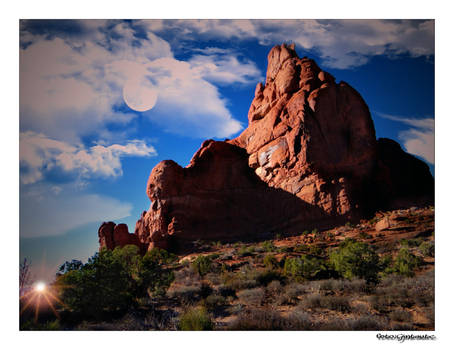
(40, 287)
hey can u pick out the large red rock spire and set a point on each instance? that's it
(308, 158)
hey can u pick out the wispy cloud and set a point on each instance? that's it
(420, 138)
(45, 213)
(40, 154)
(224, 66)
(340, 43)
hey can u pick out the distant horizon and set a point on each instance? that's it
(103, 101)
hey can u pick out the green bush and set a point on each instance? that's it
(270, 261)
(185, 294)
(195, 319)
(112, 281)
(406, 263)
(246, 251)
(265, 277)
(355, 259)
(410, 242)
(315, 250)
(202, 264)
(427, 249)
(301, 248)
(268, 246)
(214, 301)
(252, 296)
(30, 325)
(303, 267)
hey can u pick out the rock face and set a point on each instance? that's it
(111, 236)
(309, 158)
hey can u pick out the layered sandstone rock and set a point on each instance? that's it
(309, 158)
(111, 236)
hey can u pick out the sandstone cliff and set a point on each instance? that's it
(308, 158)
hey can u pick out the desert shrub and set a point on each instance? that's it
(226, 256)
(268, 246)
(355, 259)
(406, 292)
(337, 303)
(356, 285)
(239, 283)
(427, 249)
(379, 302)
(291, 293)
(186, 294)
(298, 320)
(360, 308)
(242, 279)
(421, 289)
(205, 290)
(129, 322)
(252, 296)
(202, 264)
(30, 325)
(315, 250)
(303, 268)
(214, 301)
(362, 323)
(226, 291)
(214, 278)
(385, 263)
(301, 248)
(400, 316)
(257, 319)
(285, 249)
(112, 281)
(161, 255)
(368, 323)
(411, 242)
(270, 261)
(186, 276)
(429, 314)
(364, 235)
(312, 301)
(274, 288)
(195, 319)
(406, 262)
(217, 244)
(246, 251)
(331, 285)
(265, 277)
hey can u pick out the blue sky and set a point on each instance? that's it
(102, 102)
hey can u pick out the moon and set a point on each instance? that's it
(139, 95)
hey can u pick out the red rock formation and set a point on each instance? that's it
(309, 158)
(111, 236)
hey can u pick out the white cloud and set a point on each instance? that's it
(187, 103)
(340, 43)
(418, 140)
(223, 66)
(45, 213)
(71, 86)
(40, 154)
